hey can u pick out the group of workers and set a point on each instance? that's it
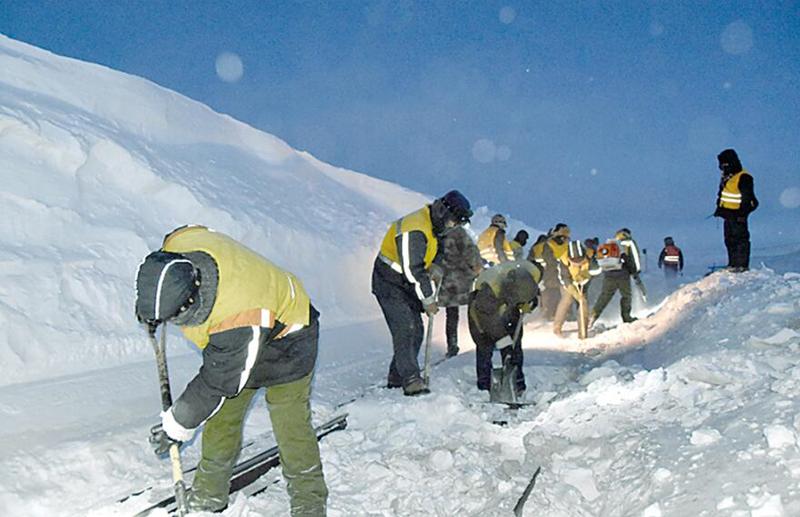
(257, 327)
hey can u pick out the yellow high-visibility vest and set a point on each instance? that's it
(731, 196)
(487, 249)
(252, 291)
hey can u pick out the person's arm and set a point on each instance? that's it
(680, 259)
(227, 362)
(488, 311)
(661, 257)
(749, 201)
(412, 247)
(499, 242)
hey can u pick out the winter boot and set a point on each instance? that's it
(452, 351)
(415, 387)
(198, 502)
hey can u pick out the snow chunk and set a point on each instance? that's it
(726, 503)
(782, 336)
(654, 510)
(442, 460)
(583, 480)
(779, 436)
(661, 475)
(766, 505)
(705, 436)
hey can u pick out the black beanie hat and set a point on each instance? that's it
(729, 156)
(165, 285)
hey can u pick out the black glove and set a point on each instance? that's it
(160, 440)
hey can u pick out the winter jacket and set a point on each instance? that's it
(461, 263)
(631, 260)
(409, 248)
(494, 246)
(254, 323)
(547, 255)
(574, 275)
(671, 256)
(495, 317)
(736, 198)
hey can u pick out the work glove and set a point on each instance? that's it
(430, 308)
(436, 273)
(504, 342)
(160, 440)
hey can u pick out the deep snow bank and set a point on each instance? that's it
(96, 166)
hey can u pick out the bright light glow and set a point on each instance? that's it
(507, 14)
(737, 38)
(229, 67)
(484, 150)
(790, 197)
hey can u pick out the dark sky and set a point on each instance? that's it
(599, 114)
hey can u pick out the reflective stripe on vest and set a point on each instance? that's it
(731, 196)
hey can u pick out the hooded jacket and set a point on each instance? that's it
(494, 312)
(254, 323)
(461, 263)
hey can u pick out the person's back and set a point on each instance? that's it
(670, 258)
(492, 243)
(461, 263)
(257, 329)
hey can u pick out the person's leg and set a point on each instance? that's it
(515, 353)
(561, 311)
(625, 297)
(405, 326)
(607, 292)
(290, 414)
(483, 357)
(451, 330)
(740, 235)
(550, 298)
(222, 440)
(729, 232)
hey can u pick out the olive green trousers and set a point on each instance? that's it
(290, 413)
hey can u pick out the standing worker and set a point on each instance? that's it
(619, 260)
(736, 200)
(574, 272)
(670, 258)
(547, 255)
(493, 244)
(461, 263)
(257, 328)
(518, 244)
(402, 284)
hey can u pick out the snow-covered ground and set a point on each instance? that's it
(692, 410)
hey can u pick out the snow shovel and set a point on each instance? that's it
(583, 315)
(159, 347)
(503, 388)
(426, 372)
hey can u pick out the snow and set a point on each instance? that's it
(691, 410)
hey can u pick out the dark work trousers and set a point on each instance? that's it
(403, 313)
(670, 272)
(737, 241)
(451, 328)
(614, 281)
(549, 298)
(484, 348)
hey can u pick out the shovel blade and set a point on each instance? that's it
(503, 387)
